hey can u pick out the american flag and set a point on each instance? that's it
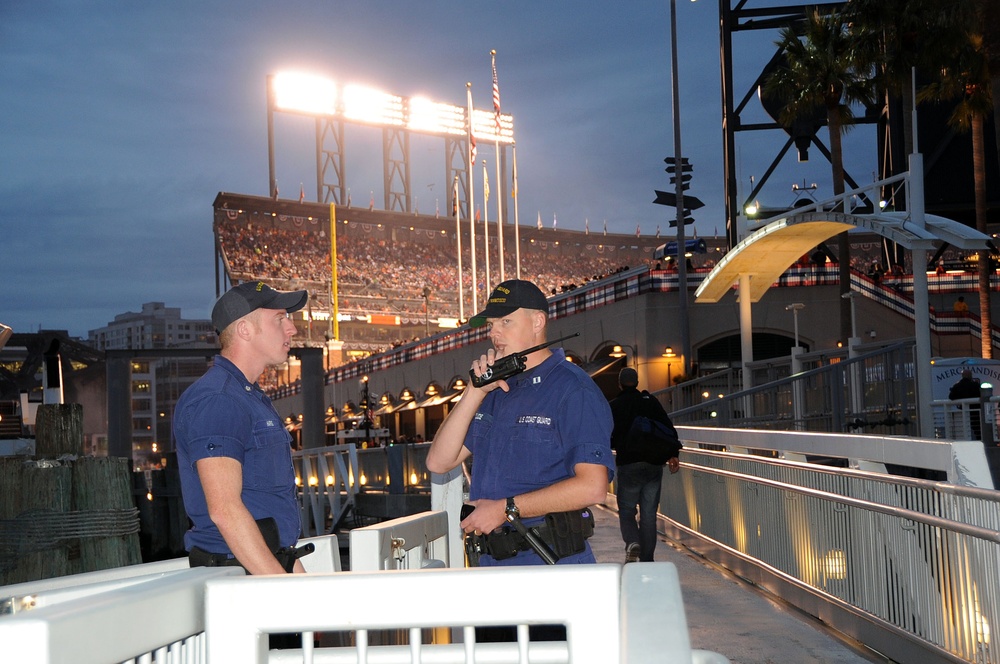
(496, 94)
(302, 192)
(472, 146)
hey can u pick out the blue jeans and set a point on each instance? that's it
(639, 487)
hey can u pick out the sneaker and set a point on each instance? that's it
(632, 553)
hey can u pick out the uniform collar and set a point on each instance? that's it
(227, 365)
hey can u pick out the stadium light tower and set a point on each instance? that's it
(333, 104)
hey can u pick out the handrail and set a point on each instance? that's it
(907, 572)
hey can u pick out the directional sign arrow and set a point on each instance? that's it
(669, 198)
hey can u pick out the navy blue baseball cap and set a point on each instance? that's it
(249, 296)
(508, 297)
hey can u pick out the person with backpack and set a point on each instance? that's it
(644, 440)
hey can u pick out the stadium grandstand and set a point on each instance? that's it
(397, 272)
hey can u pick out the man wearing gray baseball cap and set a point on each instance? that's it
(233, 451)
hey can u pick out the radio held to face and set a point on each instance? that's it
(510, 365)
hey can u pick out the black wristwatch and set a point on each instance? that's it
(512, 511)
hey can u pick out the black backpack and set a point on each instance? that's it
(654, 440)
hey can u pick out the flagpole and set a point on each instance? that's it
(458, 239)
(496, 143)
(517, 225)
(486, 224)
(471, 212)
(334, 306)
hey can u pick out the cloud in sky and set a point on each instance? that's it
(122, 121)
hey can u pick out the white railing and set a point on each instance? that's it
(411, 542)
(166, 612)
(612, 613)
(907, 566)
(328, 479)
(139, 613)
(149, 618)
(965, 419)
(962, 461)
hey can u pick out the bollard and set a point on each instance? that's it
(985, 424)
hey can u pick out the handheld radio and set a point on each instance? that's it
(511, 365)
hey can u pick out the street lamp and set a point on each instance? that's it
(366, 408)
(618, 351)
(679, 188)
(669, 353)
(795, 307)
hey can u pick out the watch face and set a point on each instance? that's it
(512, 508)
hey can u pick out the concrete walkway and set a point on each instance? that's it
(733, 618)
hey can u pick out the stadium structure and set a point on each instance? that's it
(397, 273)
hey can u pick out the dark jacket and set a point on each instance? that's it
(624, 408)
(966, 388)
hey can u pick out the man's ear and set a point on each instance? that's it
(538, 322)
(244, 328)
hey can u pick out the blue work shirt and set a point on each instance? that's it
(553, 417)
(224, 415)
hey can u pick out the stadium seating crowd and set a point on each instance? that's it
(375, 275)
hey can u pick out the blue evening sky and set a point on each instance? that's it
(121, 121)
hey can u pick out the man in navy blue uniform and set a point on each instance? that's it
(233, 452)
(539, 440)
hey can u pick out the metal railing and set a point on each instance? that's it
(630, 614)
(874, 390)
(907, 566)
(166, 612)
(410, 542)
(330, 478)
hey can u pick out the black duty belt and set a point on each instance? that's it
(565, 533)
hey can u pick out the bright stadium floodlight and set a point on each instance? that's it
(435, 117)
(484, 126)
(305, 93)
(366, 104)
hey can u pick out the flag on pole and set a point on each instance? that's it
(496, 92)
(555, 222)
(477, 213)
(486, 183)
(637, 230)
(513, 190)
(586, 226)
(695, 228)
(371, 202)
(605, 226)
(302, 193)
(539, 221)
(657, 230)
(275, 195)
(472, 145)
(348, 197)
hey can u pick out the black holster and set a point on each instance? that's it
(569, 531)
(565, 533)
(286, 555)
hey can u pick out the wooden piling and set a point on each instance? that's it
(60, 514)
(104, 484)
(59, 430)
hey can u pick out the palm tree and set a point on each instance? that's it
(892, 37)
(821, 69)
(966, 79)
